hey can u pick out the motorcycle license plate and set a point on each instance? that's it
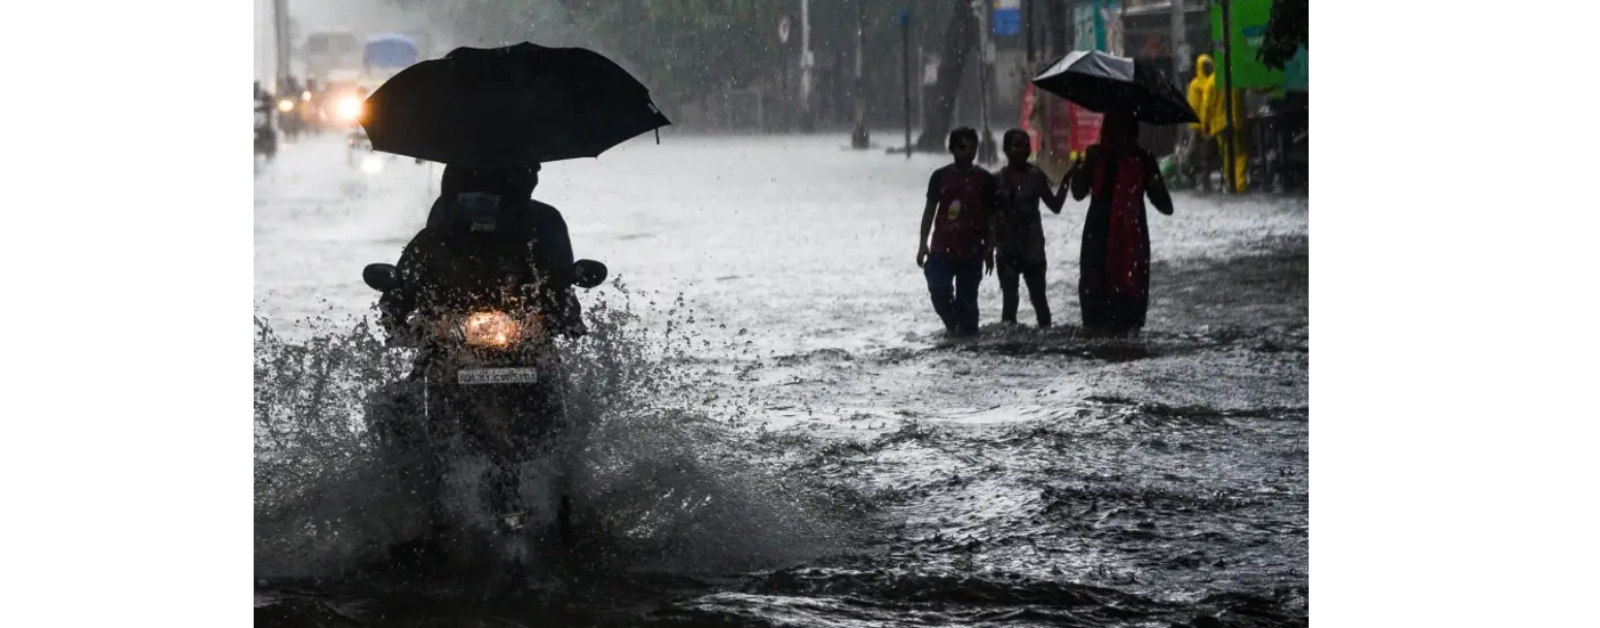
(470, 377)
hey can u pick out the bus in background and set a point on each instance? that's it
(333, 61)
(330, 53)
(423, 41)
(382, 57)
(386, 55)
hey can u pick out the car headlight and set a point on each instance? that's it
(349, 108)
(491, 329)
(285, 105)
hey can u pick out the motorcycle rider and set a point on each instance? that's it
(312, 109)
(264, 102)
(308, 106)
(484, 231)
(483, 226)
(266, 139)
(289, 121)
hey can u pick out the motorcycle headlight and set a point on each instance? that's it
(305, 96)
(285, 105)
(349, 108)
(491, 329)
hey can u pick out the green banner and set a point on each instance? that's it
(1249, 21)
(1097, 25)
(1087, 34)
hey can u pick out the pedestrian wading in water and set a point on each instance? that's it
(1019, 230)
(1114, 267)
(962, 202)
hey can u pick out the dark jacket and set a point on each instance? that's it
(450, 268)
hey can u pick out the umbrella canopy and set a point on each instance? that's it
(500, 107)
(1100, 82)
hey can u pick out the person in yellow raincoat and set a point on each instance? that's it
(1207, 101)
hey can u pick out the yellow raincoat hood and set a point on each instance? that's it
(1202, 86)
(1206, 98)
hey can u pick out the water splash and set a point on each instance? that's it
(660, 476)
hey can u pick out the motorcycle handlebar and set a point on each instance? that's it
(419, 330)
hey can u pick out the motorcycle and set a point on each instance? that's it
(310, 110)
(485, 387)
(266, 137)
(290, 119)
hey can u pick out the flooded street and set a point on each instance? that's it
(782, 437)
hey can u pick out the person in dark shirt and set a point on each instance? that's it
(1020, 248)
(962, 202)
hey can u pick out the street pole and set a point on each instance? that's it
(905, 70)
(1181, 57)
(260, 41)
(1027, 29)
(280, 37)
(859, 138)
(1228, 171)
(1180, 45)
(805, 65)
(986, 151)
(785, 111)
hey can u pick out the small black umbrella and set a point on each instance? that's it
(516, 105)
(1101, 82)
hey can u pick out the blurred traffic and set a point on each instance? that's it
(340, 70)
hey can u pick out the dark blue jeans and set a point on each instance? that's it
(958, 306)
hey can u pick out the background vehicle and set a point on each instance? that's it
(266, 138)
(387, 54)
(290, 119)
(331, 52)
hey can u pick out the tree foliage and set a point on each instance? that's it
(683, 48)
(1288, 29)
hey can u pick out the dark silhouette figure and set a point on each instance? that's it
(1019, 230)
(1114, 267)
(962, 201)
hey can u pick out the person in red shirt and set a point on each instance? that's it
(963, 201)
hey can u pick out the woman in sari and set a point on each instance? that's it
(1114, 266)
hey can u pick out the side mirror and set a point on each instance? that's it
(381, 277)
(588, 273)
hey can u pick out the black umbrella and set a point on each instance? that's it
(1101, 82)
(509, 106)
